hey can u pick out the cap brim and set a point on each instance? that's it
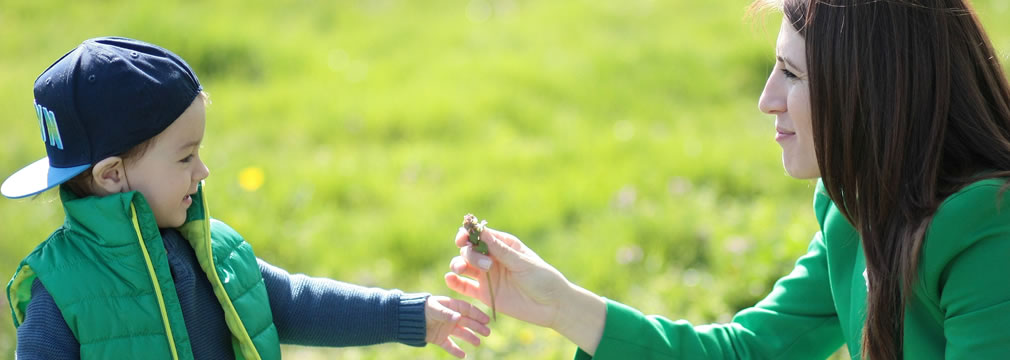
(38, 177)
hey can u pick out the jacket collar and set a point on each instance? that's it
(109, 219)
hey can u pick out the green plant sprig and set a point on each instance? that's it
(473, 228)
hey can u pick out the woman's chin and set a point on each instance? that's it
(801, 172)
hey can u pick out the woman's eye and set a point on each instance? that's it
(789, 74)
(186, 159)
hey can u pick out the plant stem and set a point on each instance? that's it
(494, 313)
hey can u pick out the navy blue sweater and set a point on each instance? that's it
(306, 311)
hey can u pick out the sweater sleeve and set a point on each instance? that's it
(44, 334)
(797, 320)
(325, 312)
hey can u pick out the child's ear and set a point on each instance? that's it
(109, 176)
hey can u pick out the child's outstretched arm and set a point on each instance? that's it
(325, 312)
(446, 317)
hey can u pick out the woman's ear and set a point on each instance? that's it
(109, 176)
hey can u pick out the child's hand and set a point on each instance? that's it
(446, 316)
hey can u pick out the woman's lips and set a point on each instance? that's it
(782, 135)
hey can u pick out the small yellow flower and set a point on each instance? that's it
(526, 336)
(250, 178)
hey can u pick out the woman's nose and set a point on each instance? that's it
(773, 98)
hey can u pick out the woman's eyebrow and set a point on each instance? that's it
(790, 63)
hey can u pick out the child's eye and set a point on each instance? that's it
(187, 159)
(789, 74)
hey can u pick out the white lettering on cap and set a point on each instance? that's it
(47, 123)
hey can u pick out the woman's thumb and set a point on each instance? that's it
(502, 246)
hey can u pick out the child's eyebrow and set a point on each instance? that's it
(189, 144)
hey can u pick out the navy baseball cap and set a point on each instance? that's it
(102, 98)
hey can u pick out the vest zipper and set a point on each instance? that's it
(243, 335)
(154, 281)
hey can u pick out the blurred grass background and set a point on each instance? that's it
(619, 139)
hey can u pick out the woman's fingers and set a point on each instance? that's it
(474, 258)
(507, 239)
(464, 286)
(459, 266)
(462, 237)
(506, 249)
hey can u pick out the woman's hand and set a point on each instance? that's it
(526, 287)
(446, 317)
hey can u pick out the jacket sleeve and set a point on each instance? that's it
(965, 262)
(976, 301)
(797, 320)
(325, 312)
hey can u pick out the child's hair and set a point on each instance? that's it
(81, 185)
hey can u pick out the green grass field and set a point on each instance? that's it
(619, 139)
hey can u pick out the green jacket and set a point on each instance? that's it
(960, 308)
(107, 270)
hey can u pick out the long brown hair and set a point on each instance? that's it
(909, 103)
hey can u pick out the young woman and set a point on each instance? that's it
(902, 109)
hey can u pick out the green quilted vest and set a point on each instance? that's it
(108, 273)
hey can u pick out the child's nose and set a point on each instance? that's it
(202, 171)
